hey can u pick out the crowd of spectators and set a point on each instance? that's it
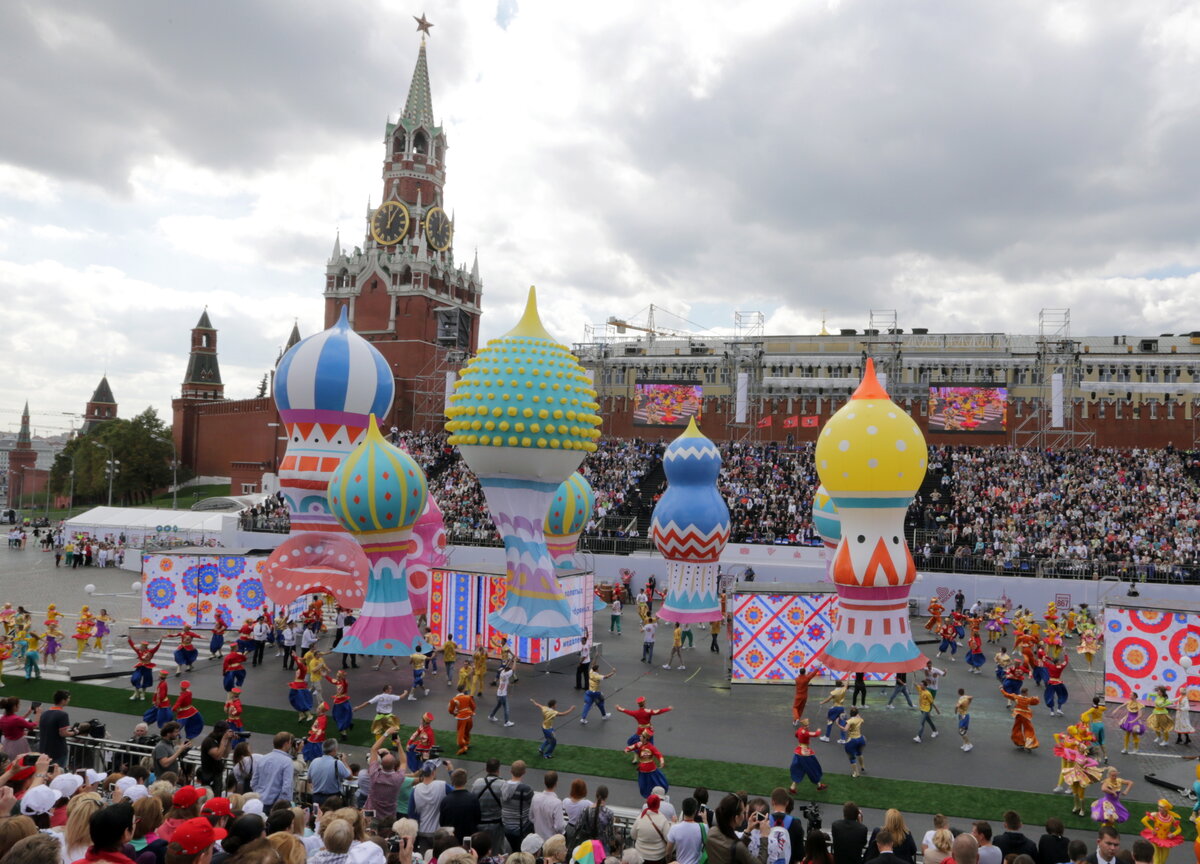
(270, 514)
(997, 506)
(65, 807)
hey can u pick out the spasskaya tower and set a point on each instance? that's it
(402, 289)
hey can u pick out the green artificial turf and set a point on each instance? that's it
(977, 798)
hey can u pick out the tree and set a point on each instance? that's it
(262, 387)
(142, 448)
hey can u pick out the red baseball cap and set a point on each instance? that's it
(196, 835)
(186, 796)
(218, 807)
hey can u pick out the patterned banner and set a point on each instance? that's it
(1143, 649)
(774, 635)
(192, 588)
(460, 603)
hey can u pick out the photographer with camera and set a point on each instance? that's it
(170, 747)
(725, 845)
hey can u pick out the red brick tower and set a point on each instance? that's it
(102, 406)
(201, 384)
(21, 460)
(402, 288)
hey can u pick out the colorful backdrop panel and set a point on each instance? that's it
(774, 635)
(1143, 649)
(191, 588)
(460, 603)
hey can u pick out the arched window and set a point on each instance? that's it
(439, 151)
(421, 143)
(398, 143)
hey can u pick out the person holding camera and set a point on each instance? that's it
(724, 846)
(171, 745)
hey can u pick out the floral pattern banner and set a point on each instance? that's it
(192, 588)
(1145, 648)
(774, 635)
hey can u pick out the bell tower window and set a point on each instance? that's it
(398, 143)
(421, 143)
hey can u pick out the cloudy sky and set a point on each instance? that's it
(964, 163)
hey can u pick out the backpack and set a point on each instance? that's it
(583, 828)
(779, 842)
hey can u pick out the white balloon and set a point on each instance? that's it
(90, 589)
(1185, 662)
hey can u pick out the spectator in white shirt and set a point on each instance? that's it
(546, 811)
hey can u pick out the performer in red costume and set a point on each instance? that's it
(315, 741)
(234, 669)
(1056, 690)
(420, 742)
(299, 696)
(218, 637)
(233, 711)
(186, 653)
(800, 697)
(343, 710)
(650, 762)
(643, 716)
(186, 713)
(160, 703)
(804, 760)
(143, 671)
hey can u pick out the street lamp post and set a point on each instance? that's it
(111, 465)
(174, 471)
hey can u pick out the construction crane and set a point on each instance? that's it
(650, 329)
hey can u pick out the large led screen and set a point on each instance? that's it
(966, 408)
(666, 403)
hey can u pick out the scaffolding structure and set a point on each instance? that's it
(429, 387)
(1057, 355)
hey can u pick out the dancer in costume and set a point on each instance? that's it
(949, 636)
(1056, 690)
(650, 762)
(1132, 725)
(420, 742)
(217, 642)
(550, 713)
(1023, 735)
(343, 711)
(1161, 828)
(1002, 659)
(1089, 644)
(299, 696)
(975, 658)
(804, 760)
(1014, 677)
(993, 625)
(644, 717)
(102, 628)
(962, 708)
(449, 658)
(7, 616)
(935, 610)
(855, 742)
(83, 632)
(1054, 641)
(417, 660)
(233, 669)
(1051, 615)
(160, 712)
(478, 670)
(187, 714)
(1108, 809)
(52, 614)
(960, 623)
(143, 671)
(186, 653)
(593, 696)
(33, 657)
(21, 644)
(927, 707)
(318, 670)
(6, 653)
(1079, 770)
(462, 709)
(800, 696)
(835, 699)
(315, 742)
(233, 712)
(245, 640)
(1160, 721)
(1094, 718)
(54, 638)
(385, 716)
(1183, 718)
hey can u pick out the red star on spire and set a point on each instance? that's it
(423, 24)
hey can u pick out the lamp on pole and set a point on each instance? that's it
(111, 466)
(174, 471)
(71, 493)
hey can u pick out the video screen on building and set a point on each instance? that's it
(666, 403)
(968, 408)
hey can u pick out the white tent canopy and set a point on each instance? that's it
(142, 525)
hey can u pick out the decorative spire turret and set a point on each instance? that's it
(418, 110)
(337, 246)
(102, 406)
(24, 439)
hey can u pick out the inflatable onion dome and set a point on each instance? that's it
(524, 390)
(377, 487)
(871, 447)
(571, 507)
(825, 517)
(334, 370)
(691, 458)
(691, 520)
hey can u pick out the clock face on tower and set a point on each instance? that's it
(390, 223)
(437, 229)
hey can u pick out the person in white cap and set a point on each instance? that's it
(67, 785)
(37, 804)
(254, 806)
(136, 792)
